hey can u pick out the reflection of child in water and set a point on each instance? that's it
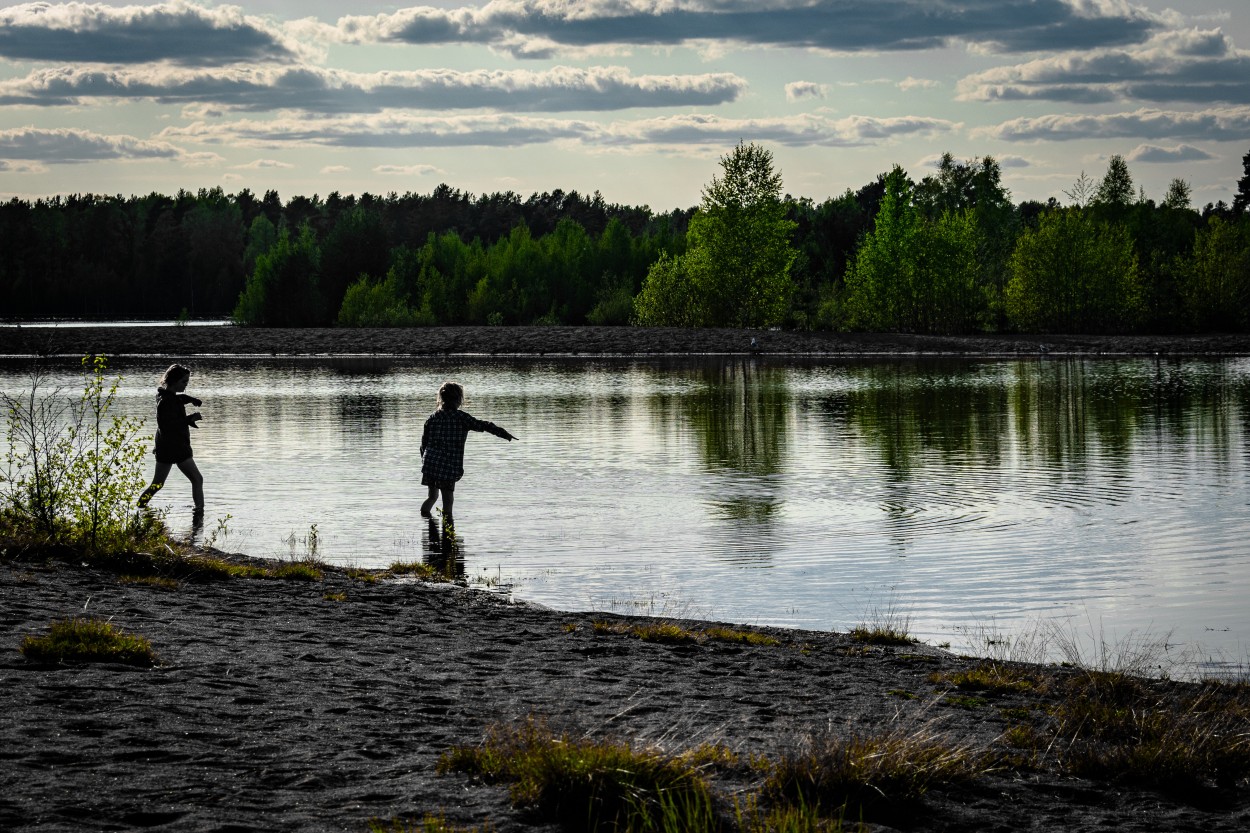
(173, 435)
(442, 446)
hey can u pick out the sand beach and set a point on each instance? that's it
(280, 705)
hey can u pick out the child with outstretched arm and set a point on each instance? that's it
(442, 447)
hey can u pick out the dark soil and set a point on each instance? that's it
(237, 341)
(276, 708)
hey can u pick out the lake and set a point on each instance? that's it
(1109, 497)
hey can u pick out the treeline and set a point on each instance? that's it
(949, 253)
(193, 254)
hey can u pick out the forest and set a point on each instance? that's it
(948, 253)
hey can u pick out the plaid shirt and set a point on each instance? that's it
(442, 442)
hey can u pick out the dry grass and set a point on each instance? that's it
(861, 775)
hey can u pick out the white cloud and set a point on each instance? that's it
(799, 90)
(407, 170)
(1230, 124)
(406, 130)
(1179, 153)
(208, 92)
(1192, 66)
(543, 28)
(908, 84)
(66, 145)
(335, 169)
(177, 32)
(260, 164)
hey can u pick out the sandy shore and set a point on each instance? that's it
(201, 341)
(285, 706)
(276, 708)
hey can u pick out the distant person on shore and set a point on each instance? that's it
(442, 447)
(173, 435)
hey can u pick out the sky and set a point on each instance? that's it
(635, 99)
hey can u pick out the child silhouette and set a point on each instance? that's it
(442, 447)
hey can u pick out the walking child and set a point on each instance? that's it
(173, 434)
(442, 447)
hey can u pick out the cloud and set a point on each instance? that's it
(263, 164)
(1010, 161)
(22, 167)
(1180, 153)
(541, 28)
(177, 32)
(1218, 125)
(407, 170)
(335, 169)
(1194, 66)
(66, 145)
(407, 130)
(329, 91)
(799, 90)
(910, 83)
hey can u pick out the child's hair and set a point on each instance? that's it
(173, 374)
(450, 396)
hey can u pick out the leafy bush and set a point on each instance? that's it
(72, 466)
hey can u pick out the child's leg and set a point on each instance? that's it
(428, 505)
(449, 498)
(158, 480)
(192, 472)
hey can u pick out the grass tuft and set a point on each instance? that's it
(667, 632)
(88, 640)
(863, 774)
(416, 569)
(992, 677)
(161, 582)
(882, 635)
(432, 823)
(588, 784)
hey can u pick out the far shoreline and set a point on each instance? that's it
(260, 342)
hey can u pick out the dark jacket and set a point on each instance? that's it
(173, 426)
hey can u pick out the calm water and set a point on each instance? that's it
(1110, 495)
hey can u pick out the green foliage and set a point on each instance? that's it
(913, 274)
(668, 297)
(88, 640)
(1179, 194)
(72, 467)
(1116, 189)
(1074, 273)
(283, 289)
(1215, 278)
(356, 246)
(370, 303)
(736, 270)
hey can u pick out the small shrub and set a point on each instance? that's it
(88, 640)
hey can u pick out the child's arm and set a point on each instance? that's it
(502, 433)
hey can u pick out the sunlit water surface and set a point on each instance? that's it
(970, 497)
